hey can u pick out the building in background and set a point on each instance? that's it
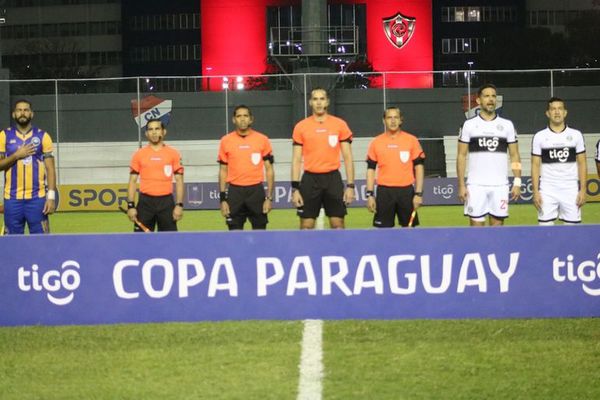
(557, 14)
(162, 38)
(462, 30)
(239, 39)
(61, 38)
(151, 38)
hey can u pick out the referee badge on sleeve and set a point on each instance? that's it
(255, 158)
(168, 170)
(404, 156)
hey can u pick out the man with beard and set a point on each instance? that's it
(156, 165)
(29, 177)
(486, 138)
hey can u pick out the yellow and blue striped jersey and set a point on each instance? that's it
(26, 179)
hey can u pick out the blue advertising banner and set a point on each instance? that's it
(205, 195)
(366, 274)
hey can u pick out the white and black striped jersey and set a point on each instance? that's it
(488, 144)
(558, 151)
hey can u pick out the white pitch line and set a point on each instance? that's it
(310, 385)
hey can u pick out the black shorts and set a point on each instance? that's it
(246, 202)
(322, 190)
(156, 210)
(392, 202)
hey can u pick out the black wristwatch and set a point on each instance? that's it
(420, 194)
(179, 204)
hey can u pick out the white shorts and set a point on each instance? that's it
(487, 200)
(559, 203)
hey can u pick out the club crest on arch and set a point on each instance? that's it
(399, 29)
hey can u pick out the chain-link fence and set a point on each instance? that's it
(97, 123)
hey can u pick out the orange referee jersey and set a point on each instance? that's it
(395, 156)
(244, 157)
(320, 142)
(156, 169)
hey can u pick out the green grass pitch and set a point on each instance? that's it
(421, 359)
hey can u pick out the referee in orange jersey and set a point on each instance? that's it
(397, 159)
(319, 140)
(156, 164)
(245, 157)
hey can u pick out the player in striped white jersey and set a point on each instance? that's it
(485, 139)
(558, 168)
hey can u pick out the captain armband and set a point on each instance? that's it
(419, 161)
(371, 164)
(48, 155)
(515, 166)
(269, 158)
(51, 195)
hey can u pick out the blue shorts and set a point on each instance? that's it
(17, 212)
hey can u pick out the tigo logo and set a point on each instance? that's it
(59, 285)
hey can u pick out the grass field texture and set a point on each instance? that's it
(418, 359)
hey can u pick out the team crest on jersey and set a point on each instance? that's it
(333, 140)
(35, 141)
(399, 29)
(27, 160)
(404, 156)
(168, 170)
(499, 127)
(255, 158)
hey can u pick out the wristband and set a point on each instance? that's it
(51, 195)
(370, 193)
(517, 181)
(130, 205)
(179, 204)
(420, 194)
(295, 185)
(350, 185)
(269, 198)
(222, 196)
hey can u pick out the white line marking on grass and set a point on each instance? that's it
(310, 385)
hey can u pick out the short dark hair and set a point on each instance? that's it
(553, 99)
(22, 101)
(240, 107)
(486, 86)
(391, 108)
(162, 125)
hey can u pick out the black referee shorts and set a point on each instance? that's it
(156, 211)
(394, 202)
(322, 190)
(246, 202)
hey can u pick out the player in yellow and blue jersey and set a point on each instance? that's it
(29, 177)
